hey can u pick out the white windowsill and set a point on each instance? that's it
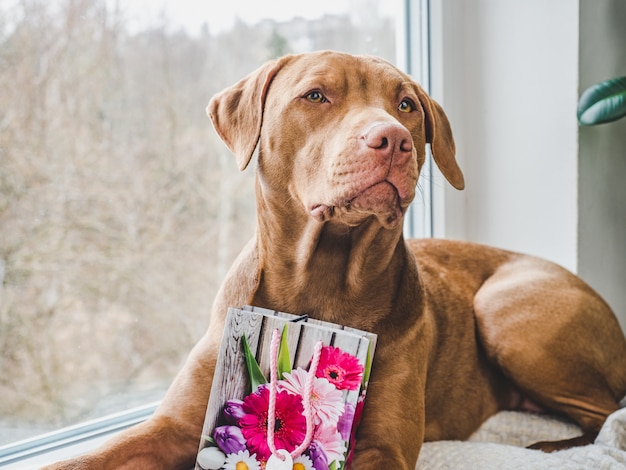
(69, 442)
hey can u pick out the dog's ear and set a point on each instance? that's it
(237, 111)
(439, 136)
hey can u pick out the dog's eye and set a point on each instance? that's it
(406, 106)
(315, 97)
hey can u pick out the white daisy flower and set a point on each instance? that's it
(303, 463)
(242, 460)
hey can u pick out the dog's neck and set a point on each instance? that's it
(326, 269)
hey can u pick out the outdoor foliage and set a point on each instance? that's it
(120, 209)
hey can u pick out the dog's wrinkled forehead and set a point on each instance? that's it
(338, 75)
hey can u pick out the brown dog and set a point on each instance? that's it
(463, 330)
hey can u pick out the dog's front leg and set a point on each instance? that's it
(392, 429)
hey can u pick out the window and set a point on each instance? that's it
(120, 209)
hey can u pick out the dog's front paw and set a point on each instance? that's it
(99, 461)
(80, 463)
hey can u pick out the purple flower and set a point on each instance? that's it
(344, 426)
(229, 439)
(233, 411)
(318, 456)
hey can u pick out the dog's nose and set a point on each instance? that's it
(388, 139)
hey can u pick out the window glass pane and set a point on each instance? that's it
(120, 209)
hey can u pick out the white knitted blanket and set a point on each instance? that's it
(500, 445)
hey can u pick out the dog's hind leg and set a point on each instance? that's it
(556, 340)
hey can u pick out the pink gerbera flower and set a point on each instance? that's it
(341, 369)
(331, 441)
(326, 400)
(289, 428)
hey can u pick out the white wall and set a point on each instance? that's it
(509, 73)
(506, 72)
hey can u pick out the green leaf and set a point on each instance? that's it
(333, 466)
(256, 376)
(368, 365)
(283, 362)
(603, 102)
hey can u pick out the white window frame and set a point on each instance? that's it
(414, 57)
(71, 441)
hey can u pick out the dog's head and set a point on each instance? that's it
(343, 136)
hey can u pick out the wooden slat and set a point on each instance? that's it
(230, 379)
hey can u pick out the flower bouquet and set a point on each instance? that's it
(305, 416)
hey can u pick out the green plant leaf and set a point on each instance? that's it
(283, 363)
(254, 371)
(368, 365)
(603, 102)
